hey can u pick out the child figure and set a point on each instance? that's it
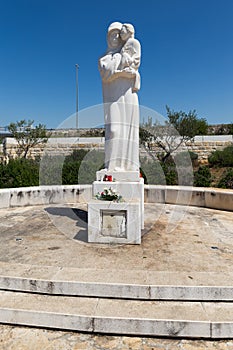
(130, 54)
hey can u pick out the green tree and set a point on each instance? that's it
(27, 136)
(178, 129)
(188, 124)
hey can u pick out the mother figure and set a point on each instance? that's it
(120, 82)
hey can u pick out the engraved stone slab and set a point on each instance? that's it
(112, 222)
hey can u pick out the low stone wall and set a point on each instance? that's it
(202, 145)
(213, 198)
(43, 195)
(205, 145)
(54, 146)
(179, 195)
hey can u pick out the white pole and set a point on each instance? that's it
(77, 67)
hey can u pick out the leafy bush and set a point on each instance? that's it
(223, 158)
(170, 173)
(19, 173)
(226, 180)
(51, 170)
(77, 155)
(202, 177)
(185, 158)
(70, 172)
(153, 173)
(71, 165)
(81, 166)
(156, 172)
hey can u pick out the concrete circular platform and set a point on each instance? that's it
(178, 282)
(177, 239)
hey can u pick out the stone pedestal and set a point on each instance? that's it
(112, 222)
(117, 222)
(128, 190)
(122, 176)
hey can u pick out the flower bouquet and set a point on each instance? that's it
(109, 194)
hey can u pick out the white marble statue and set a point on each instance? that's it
(121, 81)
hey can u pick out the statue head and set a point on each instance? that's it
(113, 37)
(127, 31)
(115, 25)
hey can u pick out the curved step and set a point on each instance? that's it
(135, 284)
(179, 319)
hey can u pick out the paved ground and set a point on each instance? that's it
(177, 239)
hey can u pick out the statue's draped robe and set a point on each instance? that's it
(121, 114)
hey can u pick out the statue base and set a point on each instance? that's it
(114, 223)
(117, 222)
(128, 190)
(124, 176)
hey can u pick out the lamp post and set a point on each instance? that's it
(77, 67)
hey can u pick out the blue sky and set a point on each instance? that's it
(187, 57)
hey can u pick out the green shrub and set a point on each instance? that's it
(70, 172)
(19, 173)
(185, 158)
(159, 173)
(51, 170)
(152, 172)
(227, 179)
(91, 163)
(71, 165)
(170, 173)
(222, 158)
(77, 155)
(202, 177)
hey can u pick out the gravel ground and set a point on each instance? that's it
(23, 338)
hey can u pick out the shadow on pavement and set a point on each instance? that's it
(78, 215)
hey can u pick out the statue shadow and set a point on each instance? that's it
(78, 215)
